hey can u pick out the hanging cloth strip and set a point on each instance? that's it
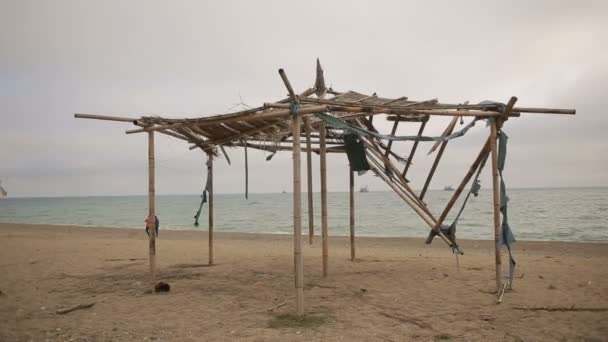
(337, 123)
(203, 197)
(355, 151)
(149, 224)
(507, 237)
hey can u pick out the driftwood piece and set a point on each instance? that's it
(501, 293)
(272, 309)
(401, 319)
(74, 308)
(562, 309)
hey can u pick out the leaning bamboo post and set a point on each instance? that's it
(151, 205)
(210, 190)
(352, 213)
(323, 162)
(483, 153)
(390, 142)
(444, 144)
(311, 221)
(297, 218)
(496, 190)
(410, 157)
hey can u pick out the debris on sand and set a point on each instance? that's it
(162, 287)
(74, 308)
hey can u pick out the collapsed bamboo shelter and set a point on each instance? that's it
(342, 122)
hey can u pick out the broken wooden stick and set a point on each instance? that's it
(572, 308)
(74, 308)
(272, 309)
(501, 293)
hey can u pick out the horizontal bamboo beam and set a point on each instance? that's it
(429, 105)
(104, 117)
(275, 148)
(399, 118)
(544, 110)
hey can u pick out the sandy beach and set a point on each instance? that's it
(397, 290)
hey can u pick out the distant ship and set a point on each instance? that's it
(3, 193)
(364, 189)
(284, 192)
(448, 188)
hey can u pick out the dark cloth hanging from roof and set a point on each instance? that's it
(355, 150)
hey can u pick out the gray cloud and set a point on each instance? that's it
(194, 59)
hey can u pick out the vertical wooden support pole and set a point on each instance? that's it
(151, 204)
(323, 162)
(297, 218)
(246, 172)
(352, 213)
(311, 217)
(210, 176)
(496, 193)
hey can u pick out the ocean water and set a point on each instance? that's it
(534, 214)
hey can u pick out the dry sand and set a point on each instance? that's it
(397, 289)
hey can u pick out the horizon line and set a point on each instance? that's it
(287, 192)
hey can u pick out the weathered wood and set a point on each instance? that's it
(297, 219)
(234, 137)
(74, 308)
(544, 110)
(410, 157)
(400, 181)
(210, 190)
(104, 117)
(323, 164)
(292, 94)
(274, 148)
(320, 88)
(483, 153)
(311, 217)
(406, 118)
(390, 142)
(494, 129)
(151, 205)
(352, 212)
(444, 144)
(496, 200)
(562, 309)
(246, 173)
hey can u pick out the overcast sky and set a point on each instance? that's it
(196, 58)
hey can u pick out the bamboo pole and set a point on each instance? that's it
(246, 173)
(410, 157)
(496, 198)
(483, 153)
(297, 219)
(210, 189)
(323, 162)
(390, 143)
(352, 213)
(444, 144)
(297, 198)
(311, 217)
(151, 205)
(103, 117)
